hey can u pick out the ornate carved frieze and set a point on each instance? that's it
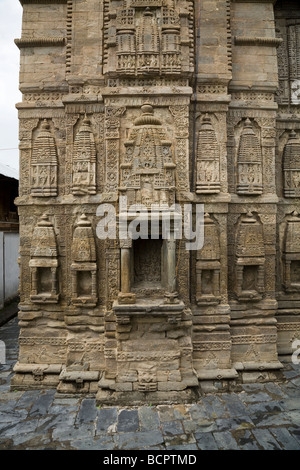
(143, 38)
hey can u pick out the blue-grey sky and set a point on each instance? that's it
(10, 28)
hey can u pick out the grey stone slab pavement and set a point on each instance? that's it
(263, 416)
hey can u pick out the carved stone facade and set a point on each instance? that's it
(171, 104)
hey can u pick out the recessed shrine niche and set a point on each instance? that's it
(44, 165)
(291, 254)
(44, 263)
(84, 266)
(208, 265)
(250, 259)
(249, 161)
(147, 179)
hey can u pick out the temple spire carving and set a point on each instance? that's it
(249, 162)
(84, 160)
(208, 165)
(44, 163)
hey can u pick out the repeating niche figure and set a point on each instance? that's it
(291, 166)
(208, 265)
(208, 165)
(249, 162)
(84, 266)
(84, 161)
(250, 259)
(291, 255)
(44, 163)
(44, 263)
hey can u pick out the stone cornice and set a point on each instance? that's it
(46, 2)
(257, 41)
(254, 1)
(40, 42)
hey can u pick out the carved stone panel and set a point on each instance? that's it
(44, 163)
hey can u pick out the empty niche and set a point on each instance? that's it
(44, 263)
(147, 259)
(84, 267)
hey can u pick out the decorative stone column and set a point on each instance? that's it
(125, 296)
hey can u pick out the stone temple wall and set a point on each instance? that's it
(176, 104)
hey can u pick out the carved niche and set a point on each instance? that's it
(84, 266)
(291, 255)
(291, 166)
(250, 259)
(208, 265)
(44, 263)
(149, 37)
(84, 161)
(208, 164)
(148, 168)
(44, 163)
(249, 162)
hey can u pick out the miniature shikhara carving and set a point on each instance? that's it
(44, 163)
(84, 161)
(249, 162)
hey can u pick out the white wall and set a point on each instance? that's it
(9, 268)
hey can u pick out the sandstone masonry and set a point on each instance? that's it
(168, 102)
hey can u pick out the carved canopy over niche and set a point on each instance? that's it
(148, 169)
(148, 37)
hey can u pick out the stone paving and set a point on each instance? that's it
(258, 417)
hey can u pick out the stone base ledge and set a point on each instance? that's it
(113, 398)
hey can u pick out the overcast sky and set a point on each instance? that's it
(10, 28)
